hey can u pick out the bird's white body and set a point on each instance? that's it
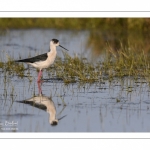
(50, 59)
(47, 63)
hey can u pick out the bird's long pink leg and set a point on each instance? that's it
(39, 76)
(39, 87)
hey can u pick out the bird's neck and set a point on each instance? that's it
(52, 54)
(52, 112)
(53, 51)
(52, 48)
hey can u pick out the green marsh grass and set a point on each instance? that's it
(116, 64)
(127, 62)
(12, 68)
(137, 24)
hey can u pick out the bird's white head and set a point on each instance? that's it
(55, 42)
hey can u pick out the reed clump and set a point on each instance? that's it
(127, 62)
(12, 68)
(75, 69)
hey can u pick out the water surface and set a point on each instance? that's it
(121, 105)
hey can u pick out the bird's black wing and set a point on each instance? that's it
(41, 57)
(34, 104)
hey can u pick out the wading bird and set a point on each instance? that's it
(44, 60)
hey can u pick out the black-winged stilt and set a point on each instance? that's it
(44, 60)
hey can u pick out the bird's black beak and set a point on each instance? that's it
(63, 47)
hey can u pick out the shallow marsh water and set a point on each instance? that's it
(122, 105)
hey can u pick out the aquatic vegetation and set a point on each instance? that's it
(1, 64)
(12, 68)
(128, 62)
(74, 69)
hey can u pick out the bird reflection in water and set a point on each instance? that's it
(44, 103)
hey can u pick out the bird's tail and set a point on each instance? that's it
(22, 60)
